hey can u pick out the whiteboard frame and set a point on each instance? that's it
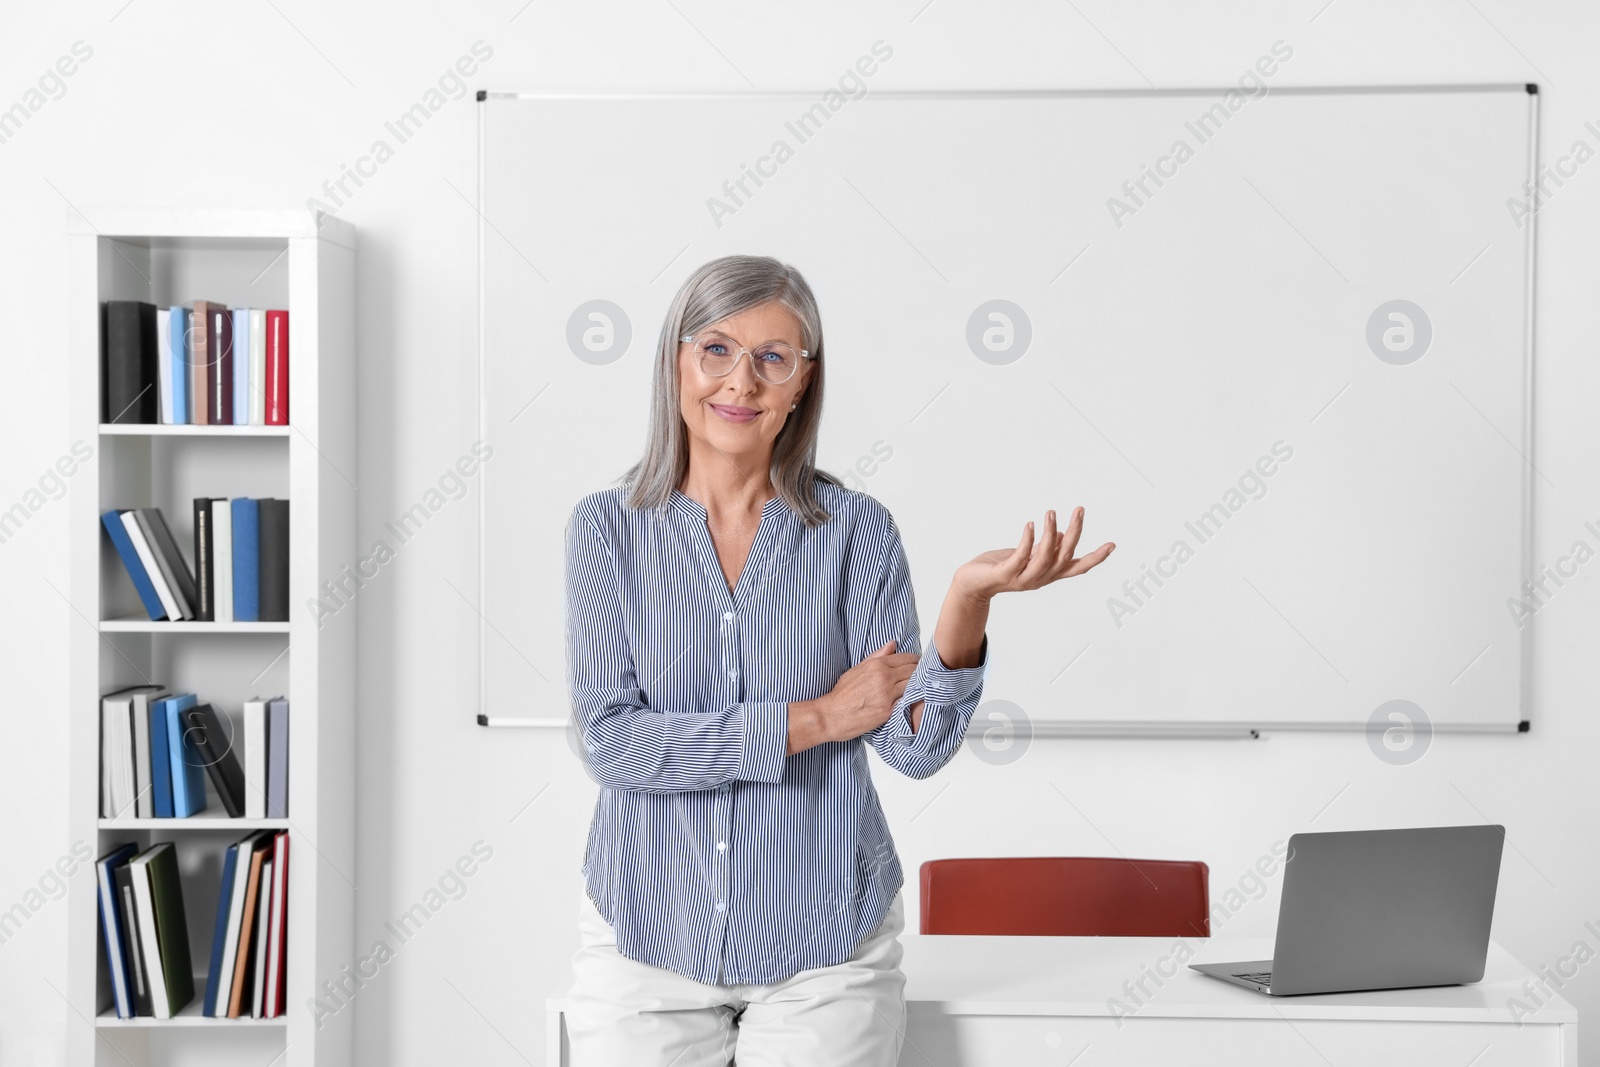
(1065, 728)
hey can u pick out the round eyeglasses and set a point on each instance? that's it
(774, 362)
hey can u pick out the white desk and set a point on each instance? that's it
(1022, 1001)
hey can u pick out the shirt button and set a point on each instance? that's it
(722, 846)
(721, 906)
(723, 788)
(733, 674)
(727, 616)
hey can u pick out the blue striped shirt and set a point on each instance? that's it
(711, 852)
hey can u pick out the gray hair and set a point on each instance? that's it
(721, 288)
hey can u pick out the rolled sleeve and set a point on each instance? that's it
(949, 695)
(934, 683)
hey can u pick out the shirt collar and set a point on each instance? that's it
(692, 508)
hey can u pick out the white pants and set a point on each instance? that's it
(624, 1013)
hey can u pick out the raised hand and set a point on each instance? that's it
(1030, 565)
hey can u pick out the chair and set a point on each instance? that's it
(1066, 896)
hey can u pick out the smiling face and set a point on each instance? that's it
(740, 415)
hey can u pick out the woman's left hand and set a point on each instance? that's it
(1030, 566)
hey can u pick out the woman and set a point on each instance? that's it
(739, 623)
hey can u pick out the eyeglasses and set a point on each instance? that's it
(774, 362)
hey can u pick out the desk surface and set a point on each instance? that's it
(961, 975)
(1067, 976)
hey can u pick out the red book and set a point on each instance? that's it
(273, 1005)
(277, 370)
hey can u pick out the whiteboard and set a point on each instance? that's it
(1291, 378)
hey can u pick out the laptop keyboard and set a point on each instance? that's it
(1264, 977)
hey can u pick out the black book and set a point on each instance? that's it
(273, 525)
(203, 726)
(132, 949)
(130, 389)
(167, 545)
(205, 608)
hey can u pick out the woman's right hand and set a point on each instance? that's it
(861, 700)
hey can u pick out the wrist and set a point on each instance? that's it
(807, 724)
(975, 597)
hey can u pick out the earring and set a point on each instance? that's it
(794, 405)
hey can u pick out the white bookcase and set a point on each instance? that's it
(270, 259)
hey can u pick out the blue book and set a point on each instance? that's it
(219, 932)
(182, 368)
(241, 366)
(188, 765)
(114, 925)
(246, 560)
(160, 760)
(112, 521)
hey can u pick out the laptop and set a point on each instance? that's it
(1379, 909)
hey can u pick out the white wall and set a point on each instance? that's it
(291, 91)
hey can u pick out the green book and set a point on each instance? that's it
(163, 931)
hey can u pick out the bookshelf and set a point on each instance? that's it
(280, 259)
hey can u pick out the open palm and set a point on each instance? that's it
(1031, 565)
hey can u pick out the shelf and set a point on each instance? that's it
(162, 429)
(304, 263)
(188, 1015)
(136, 625)
(210, 819)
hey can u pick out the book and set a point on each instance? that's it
(277, 926)
(130, 389)
(160, 759)
(112, 930)
(242, 972)
(258, 954)
(255, 758)
(277, 758)
(277, 369)
(214, 749)
(169, 574)
(219, 347)
(258, 367)
(176, 570)
(147, 557)
(144, 798)
(116, 710)
(164, 364)
(131, 562)
(118, 778)
(272, 522)
(241, 366)
(186, 760)
(178, 346)
(247, 846)
(246, 560)
(134, 947)
(205, 609)
(222, 558)
(163, 930)
(200, 357)
(219, 929)
(144, 913)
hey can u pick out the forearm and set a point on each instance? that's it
(958, 636)
(959, 633)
